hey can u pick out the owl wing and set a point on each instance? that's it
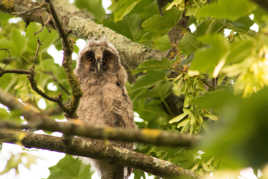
(118, 109)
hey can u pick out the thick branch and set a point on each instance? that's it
(262, 3)
(95, 149)
(28, 111)
(52, 111)
(77, 23)
(147, 136)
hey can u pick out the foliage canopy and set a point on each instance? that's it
(212, 82)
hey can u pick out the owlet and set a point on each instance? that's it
(105, 101)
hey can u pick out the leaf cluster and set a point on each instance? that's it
(212, 82)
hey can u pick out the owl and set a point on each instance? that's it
(105, 101)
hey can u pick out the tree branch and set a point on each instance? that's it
(147, 136)
(70, 108)
(57, 100)
(67, 65)
(95, 149)
(32, 81)
(262, 3)
(16, 71)
(77, 23)
(52, 111)
(34, 86)
(54, 78)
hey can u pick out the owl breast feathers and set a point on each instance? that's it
(105, 101)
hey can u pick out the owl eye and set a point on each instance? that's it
(90, 55)
(106, 56)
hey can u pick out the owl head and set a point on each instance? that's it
(98, 57)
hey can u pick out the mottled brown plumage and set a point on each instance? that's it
(105, 101)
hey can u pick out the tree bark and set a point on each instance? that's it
(80, 128)
(97, 150)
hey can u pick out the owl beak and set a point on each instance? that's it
(99, 65)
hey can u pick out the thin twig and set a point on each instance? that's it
(30, 11)
(31, 75)
(207, 84)
(67, 64)
(54, 78)
(58, 25)
(44, 24)
(22, 72)
(37, 51)
(33, 83)
(58, 99)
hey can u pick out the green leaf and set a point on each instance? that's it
(238, 139)
(31, 29)
(240, 50)
(139, 174)
(212, 117)
(19, 43)
(159, 24)
(149, 79)
(130, 25)
(183, 123)
(152, 65)
(4, 115)
(124, 26)
(46, 37)
(162, 89)
(7, 44)
(93, 6)
(70, 168)
(242, 24)
(7, 81)
(12, 163)
(227, 9)
(206, 58)
(162, 43)
(216, 99)
(208, 26)
(4, 17)
(188, 44)
(122, 8)
(178, 118)
(180, 4)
